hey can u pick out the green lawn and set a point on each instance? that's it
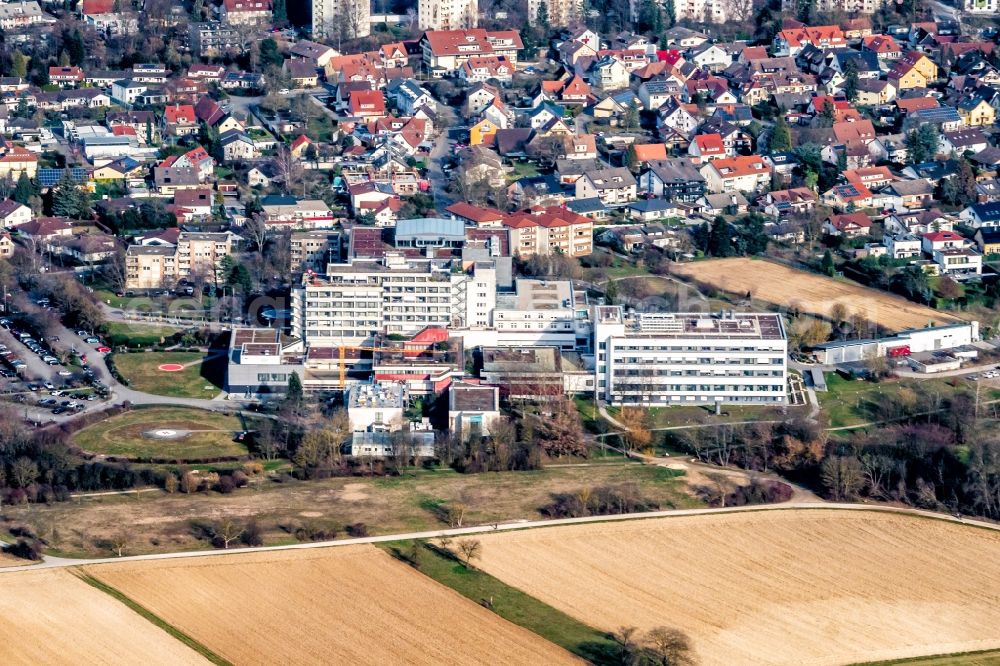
(198, 380)
(123, 435)
(848, 402)
(984, 658)
(523, 170)
(137, 334)
(513, 605)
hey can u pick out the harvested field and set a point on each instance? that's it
(351, 605)
(53, 617)
(809, 292)
(771, 587)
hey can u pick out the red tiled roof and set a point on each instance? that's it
(92, 7)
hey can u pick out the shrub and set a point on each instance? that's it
(357, 530)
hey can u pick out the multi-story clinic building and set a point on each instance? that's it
(689, 358)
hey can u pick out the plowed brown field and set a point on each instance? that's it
(53, 617)
(771, 587)
(817, 294)
(350, 605)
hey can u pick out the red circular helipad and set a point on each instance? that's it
(171, 367)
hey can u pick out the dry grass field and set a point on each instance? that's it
(771, 587)
(783, 286)
(351, 605)
(52, 617)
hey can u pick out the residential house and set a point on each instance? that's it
(982, 215)
(902, 246)
(744, 173)
(914, 70)
(302, 73)
(607, 73)
(673, 179)
(794, 201)
(180, 120)
(613, 185)
(849, 225)
(976, 111)
(13, 213)
(237, 146)
(707, 147)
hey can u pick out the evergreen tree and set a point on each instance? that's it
(24, 189)
(827, 264)
(269, 54)
(826, 114)
(542, 17)
(294, 394)
(915, 152)
(632, 159)
(75, 49)
(19, 64)
(842, 160)
(720, 238)
(781, 136)
(279, 10)
(851, 80)
(960, 189)
(670, 10)
(239, 278)
(70, 200)
(631, 116)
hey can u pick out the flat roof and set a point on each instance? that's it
(538, 295)
(376, 396)
(697, 325)
(470, 398)
(521, 359)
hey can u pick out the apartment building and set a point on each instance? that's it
(613, 185)
(195, 254)
(214, 39)
(356, 301)
(313, 250)
(445, 51)
(348, 18)
(689, 358)
(699, 11)
(447, 14)
(850, 6)
(561, 13)
(548, 230)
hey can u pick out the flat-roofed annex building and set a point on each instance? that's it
(689, 358)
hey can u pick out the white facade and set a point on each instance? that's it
(447, 14)
(356, 301)
(348, 19)
(700, 11)
(689, 358)
(931, 339)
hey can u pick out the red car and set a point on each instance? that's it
(104, 350)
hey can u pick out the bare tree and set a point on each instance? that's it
(255, 230)
(227, 531)
(470, 549)
(115, 271)
(456, 513)
(119, 542)
(289, 168)
(666, 646)
(739, 10)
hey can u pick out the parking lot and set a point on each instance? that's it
(50, 377)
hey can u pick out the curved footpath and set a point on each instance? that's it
(49, 562)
